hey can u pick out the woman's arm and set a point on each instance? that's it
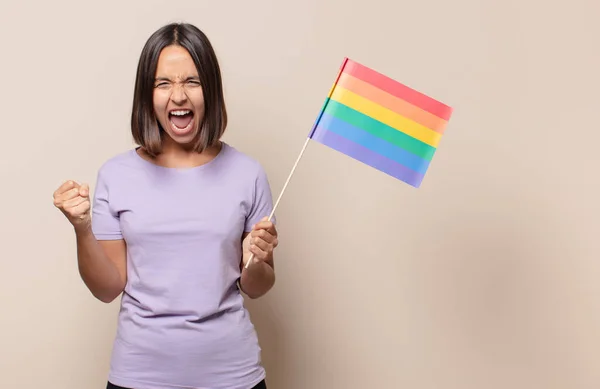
(102, 264)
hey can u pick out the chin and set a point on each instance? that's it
(183, 140)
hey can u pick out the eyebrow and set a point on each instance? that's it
(168, 79)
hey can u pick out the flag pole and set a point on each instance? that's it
(310, 135)
(283, 189)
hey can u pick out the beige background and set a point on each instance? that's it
(486, 277)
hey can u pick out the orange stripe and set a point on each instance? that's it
(397, 89)
(392, 103)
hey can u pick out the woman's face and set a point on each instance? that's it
(178, 98)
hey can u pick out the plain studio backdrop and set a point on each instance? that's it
(488, 276)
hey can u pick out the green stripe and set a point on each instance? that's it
(379, 129)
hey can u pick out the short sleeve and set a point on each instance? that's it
(262, 202)
(105, 221)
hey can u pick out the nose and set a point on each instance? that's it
(178, 96)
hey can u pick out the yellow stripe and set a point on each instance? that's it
(384, 115)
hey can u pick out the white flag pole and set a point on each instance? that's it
(312, 131)
(283, 189)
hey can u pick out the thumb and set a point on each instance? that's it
(84, 190)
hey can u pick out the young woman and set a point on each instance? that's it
(171, 226)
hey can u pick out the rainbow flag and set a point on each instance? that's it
(381, 122)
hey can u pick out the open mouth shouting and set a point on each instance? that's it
(181, 120)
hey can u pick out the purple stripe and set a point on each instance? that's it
(369, 157)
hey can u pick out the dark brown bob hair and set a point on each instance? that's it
(145, 128)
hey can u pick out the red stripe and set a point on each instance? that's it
(397, 89)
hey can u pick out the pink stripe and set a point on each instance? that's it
(397, 89)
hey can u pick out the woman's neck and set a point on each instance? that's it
(175, 156)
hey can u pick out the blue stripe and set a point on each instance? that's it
(373, 143)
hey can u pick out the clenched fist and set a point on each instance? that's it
(74, 202)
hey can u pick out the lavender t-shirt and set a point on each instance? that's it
(182, 322)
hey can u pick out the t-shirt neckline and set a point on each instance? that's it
(204, 166)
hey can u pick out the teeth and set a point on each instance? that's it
(179, 113)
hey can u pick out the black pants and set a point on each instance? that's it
(261, 385)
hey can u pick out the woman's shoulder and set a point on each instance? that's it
(119, 162)
(242, 162)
